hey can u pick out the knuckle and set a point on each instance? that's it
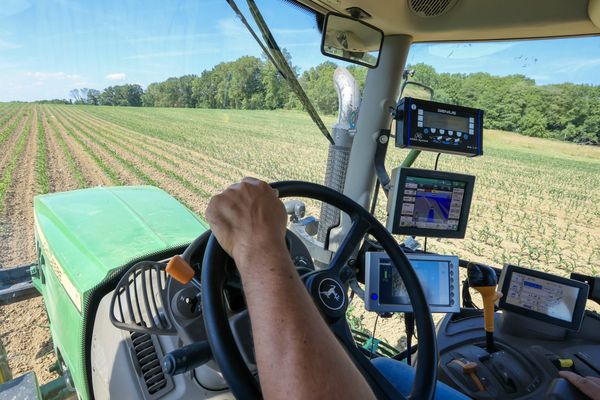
(263, 185)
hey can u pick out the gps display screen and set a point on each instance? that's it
(445, 121)
(553, 299)
(435, 275)
(429, 203)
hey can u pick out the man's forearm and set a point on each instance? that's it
(291, 337)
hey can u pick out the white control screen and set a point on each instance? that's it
(543, 296)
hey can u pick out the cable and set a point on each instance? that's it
(374, 203)
(409, 326)
(283, 66)
(437, 158)
(273, 53)
(373, 336)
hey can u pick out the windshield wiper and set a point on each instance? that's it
(274, 54)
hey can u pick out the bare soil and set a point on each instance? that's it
(60, 176)
(24, 330)
(190, 174)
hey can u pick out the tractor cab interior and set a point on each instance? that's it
(528, 326)
(175, 324)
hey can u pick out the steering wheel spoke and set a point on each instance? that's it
(359, 228)
(327, 289)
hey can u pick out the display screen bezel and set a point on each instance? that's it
(428, 232)
(407, 128)
(578, 310)
(373, 279)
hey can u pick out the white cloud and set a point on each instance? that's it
(306, 31)
(163, 54)
(55, 76)
(4, 45)
(37, 85)
(575, 65)
(467, 50)
(232, 27)
(116, 76)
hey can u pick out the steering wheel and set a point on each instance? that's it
(333, 308)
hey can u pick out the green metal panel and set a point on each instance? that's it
(84, 235)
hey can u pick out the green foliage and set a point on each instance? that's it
(511, 103)
(318, 84)
(515, 103)
(121, 95)
(41, 162)
(6, 176)
(174, 92)
(53, 101)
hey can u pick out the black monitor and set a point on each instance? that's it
(430, 203)
(542, 296)
(385, 290)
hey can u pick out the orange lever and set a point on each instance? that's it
(470, 368)
(180, 270)
(489, 295)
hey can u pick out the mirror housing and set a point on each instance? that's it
(351, 40)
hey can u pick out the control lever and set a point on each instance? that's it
(470, 368)
(182, 271)
(483, 279)
(187, 358)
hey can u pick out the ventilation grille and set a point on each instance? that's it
(430, 8)
(149, 363)
(138, 301)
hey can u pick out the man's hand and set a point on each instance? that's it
(297, 355)
(246, 216)
(590, 386)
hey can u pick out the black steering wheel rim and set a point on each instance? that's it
(241, 381)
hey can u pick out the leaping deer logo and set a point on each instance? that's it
(331, 292)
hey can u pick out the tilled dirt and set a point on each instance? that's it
(10, 144)
(60, 176)
(92, 173)
(24, 330)
(93, 147)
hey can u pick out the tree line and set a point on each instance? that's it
(515, 103)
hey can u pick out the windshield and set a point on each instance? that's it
(534, 201)
(178, 95)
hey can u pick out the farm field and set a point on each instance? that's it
(536, 201)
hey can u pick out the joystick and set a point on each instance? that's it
(484, 280)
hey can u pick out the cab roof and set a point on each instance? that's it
(473, 20)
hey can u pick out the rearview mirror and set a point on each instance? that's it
(351, 40)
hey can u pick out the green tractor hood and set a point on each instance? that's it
(86, 236)
(91, 232)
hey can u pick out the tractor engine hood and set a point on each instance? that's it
(85, 238)
(86, 234)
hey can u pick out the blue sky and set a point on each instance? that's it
(48, 47)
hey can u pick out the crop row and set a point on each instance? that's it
(529, 207)
(6, 176)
